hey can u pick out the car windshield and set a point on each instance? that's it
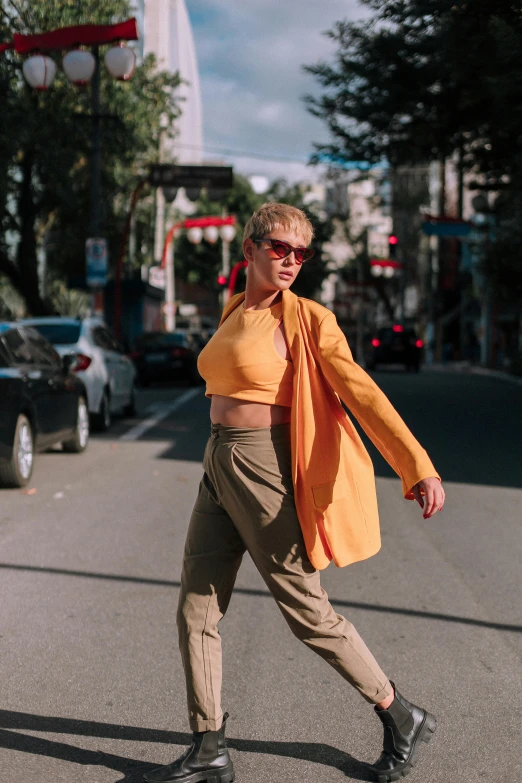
(160, 340)
(59, 334)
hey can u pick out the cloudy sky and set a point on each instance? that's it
(250, 55)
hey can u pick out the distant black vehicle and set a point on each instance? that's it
(396, 345)
(166, 356)
(42, 403)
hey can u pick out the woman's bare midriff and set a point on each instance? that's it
(242, 413)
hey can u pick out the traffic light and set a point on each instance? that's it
(392, 246)
(222, 280)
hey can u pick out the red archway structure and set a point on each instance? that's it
(233, 276)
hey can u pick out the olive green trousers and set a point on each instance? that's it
(246, 503)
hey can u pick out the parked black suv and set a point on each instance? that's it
(395, 345)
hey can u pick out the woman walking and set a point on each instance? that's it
(287, 478)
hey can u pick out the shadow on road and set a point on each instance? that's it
(132, 769)
(448, 618)
(470, 426)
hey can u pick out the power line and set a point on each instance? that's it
(241, 153)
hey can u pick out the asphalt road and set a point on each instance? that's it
(92, 685)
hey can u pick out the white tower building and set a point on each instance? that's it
(168, 35)
(166, 32)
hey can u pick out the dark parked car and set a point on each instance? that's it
(42, 403)
(396, 345)
(166, 356)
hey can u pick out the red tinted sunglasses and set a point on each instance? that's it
(283, 249)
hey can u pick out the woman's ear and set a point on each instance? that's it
(248, 249)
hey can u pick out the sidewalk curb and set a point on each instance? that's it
(463, 368)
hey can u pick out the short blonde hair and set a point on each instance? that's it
(273, 215)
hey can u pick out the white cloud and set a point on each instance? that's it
(250, 55)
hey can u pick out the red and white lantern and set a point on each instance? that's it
(211, 234)
(195, 235)
(78, 66)
(39, 71)
(120, 61)
(228, 232)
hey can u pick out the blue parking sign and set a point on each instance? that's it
(96, 258)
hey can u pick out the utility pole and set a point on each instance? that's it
(225, 262)
(359, 340)
(95, 221)
(464, 285)
(95, 217)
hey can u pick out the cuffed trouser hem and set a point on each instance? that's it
(383, 694)
(205, 725)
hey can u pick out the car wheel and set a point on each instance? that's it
(80, 439)
(102, 420)
(130, 408)
(17, 471)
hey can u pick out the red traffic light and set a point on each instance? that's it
(392, 246)
(222, 280)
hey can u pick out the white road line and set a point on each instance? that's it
(160, 411)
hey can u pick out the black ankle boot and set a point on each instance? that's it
(206, 761)
(405, 726)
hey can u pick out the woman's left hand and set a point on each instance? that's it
(434, 496)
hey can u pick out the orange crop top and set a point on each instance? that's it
(241, 359)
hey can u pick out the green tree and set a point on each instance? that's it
(423, 78)
(202, 263)
(45, 148)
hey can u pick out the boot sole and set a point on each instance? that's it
(225, 775)
(426, 732)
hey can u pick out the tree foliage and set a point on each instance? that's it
(423, 79)
(45, 147)
(202, 263)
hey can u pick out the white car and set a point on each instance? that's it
(108, 374)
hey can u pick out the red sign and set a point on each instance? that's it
(86, 34)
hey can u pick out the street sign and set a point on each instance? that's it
(450, 229)
(166, 175)
(96, 260)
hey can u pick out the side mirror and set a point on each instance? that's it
(68, 361)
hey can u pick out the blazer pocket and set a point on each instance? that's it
(324, 494)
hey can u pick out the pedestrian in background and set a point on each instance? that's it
(287, 478)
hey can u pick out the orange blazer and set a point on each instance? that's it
(333, 476)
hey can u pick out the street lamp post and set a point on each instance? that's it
(210, 228)
(82, 67)
(95, 217)
(228, 232)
